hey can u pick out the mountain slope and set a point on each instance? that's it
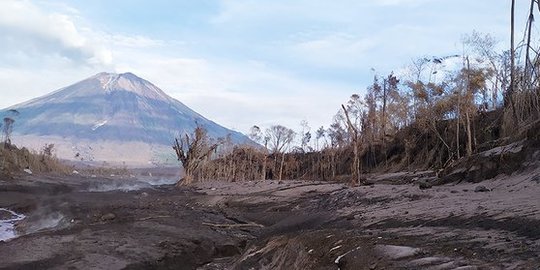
(109, 109)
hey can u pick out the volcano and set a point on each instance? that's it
(110, 118)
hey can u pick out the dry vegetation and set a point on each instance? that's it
(13, 159)
(429, 118)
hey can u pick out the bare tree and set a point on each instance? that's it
(356, 162)
(306, 136)
(192, 151)
(319, 134)
(508, 97)
(483, 47)
(7, 128)
(255, 134)
(279, 137)
(47, 150)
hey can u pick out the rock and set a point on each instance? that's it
(75, 172)
(481, 189)
(226, 250)
(107, 217)
(424, 185)
(28, 171)
(396, 252)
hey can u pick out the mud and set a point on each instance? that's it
(79, 222)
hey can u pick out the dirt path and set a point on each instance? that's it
(273, 225)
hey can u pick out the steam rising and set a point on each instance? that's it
(8, 219)
(130, 185)
(38, 223)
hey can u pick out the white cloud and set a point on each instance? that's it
(249, 63)
(240, 94)
(402, 2)
(340, 50)
(25, 28)
(136, 41)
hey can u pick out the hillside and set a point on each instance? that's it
(106, 117)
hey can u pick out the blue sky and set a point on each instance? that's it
(237, 62)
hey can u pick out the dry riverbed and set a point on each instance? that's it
(89, 223)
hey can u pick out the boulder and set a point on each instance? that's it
(108, 217)
(481, 189)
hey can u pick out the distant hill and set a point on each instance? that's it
(113, 118)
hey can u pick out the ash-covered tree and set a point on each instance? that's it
(320, 134)
(256, 134)
(306, 136)
(7, 127)
(192, 151)
(280, 138)
(482, 48)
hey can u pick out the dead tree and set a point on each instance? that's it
(192, 151)
(7, 128)
(279, 139)
(356, 161)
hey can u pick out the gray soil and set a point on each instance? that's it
(391, 224)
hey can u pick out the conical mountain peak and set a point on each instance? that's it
(130, 82)
(109, 109)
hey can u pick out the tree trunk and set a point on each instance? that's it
(509, 95)
(470, 100)
(527, 54)
(333, 163)
(469, 134)
(458, 119)
(264, 167)
(512, 51)
(281, 166)
(383, 124)
(356, 160)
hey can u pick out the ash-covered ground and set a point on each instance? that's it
(77, 222)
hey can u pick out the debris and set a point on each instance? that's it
(396, 252)
(155, 217)
(252, 224)
(28, 171)
(107, 217)
(424, 185)
(481, 189)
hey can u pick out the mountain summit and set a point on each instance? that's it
(110, 117)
